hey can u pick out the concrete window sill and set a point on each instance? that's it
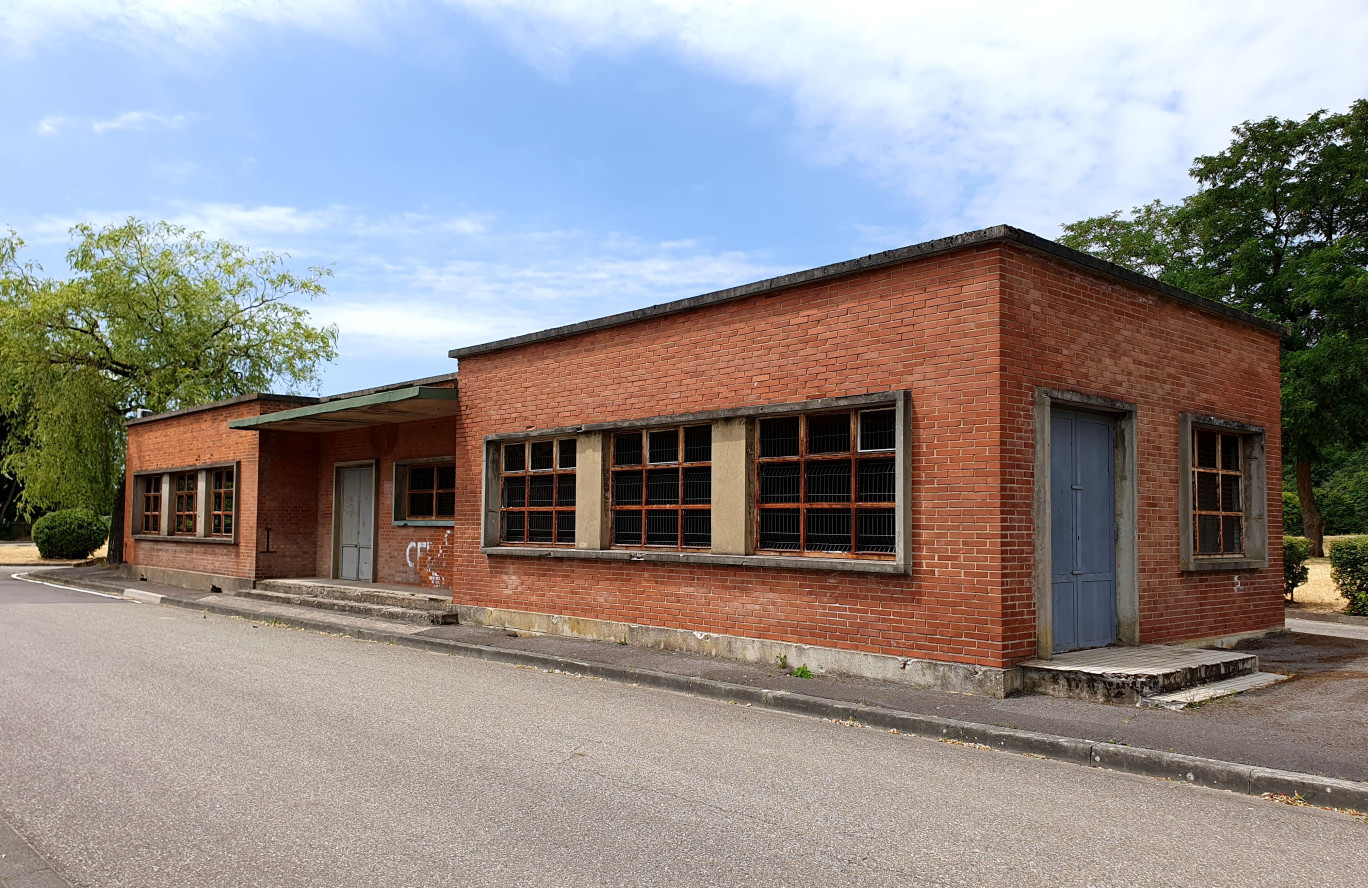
(415, 522)
(751, 561)
(212, 541)
(1203, 565)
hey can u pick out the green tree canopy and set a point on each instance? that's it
(1278, 226)
(151, 316)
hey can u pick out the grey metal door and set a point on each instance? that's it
(355, 521)
(1083, 529)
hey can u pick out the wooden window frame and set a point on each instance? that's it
(434, 492)
(151, 505)
(185, 505)
(855, 455)
(1221, 513)
(681, 464)
(558, 511)
(222, 520)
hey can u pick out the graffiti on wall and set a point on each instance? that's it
(428, 560)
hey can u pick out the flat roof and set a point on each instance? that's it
(370, 409)
(995, 234)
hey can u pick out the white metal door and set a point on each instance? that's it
(356, 522)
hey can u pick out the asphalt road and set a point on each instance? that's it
(150, 746)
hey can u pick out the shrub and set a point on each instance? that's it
(1295, 552)
(69, 533)
(1349, 570)
(1292, 516)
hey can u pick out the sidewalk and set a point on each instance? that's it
(1315, 724)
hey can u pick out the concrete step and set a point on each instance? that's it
(416, 600)
(1215, 690)
(1129, 674)
(361, 608)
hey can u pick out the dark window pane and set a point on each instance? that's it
(446, 504)
(227, 502)
(627, 449)
(662, 486)
(1230, 453)
(539, 527)
(698, 485)
(565, 527)
(1232, 542)
(829, 434)
(513, 529)
(779, 483)
(565, 491)
(627, 528)
(662, 528)
(1208, 534)
(779, 437)
(1230, 493)
(514, 459)
(422, 477)
(664, 446)
(828, 482)
(217, 524)
(828, 530)
(779, 529)
(877, 530)
(228, 524)
(541, 490)
(876, 430)
(1206, 449)
(698, 528)
(420, 504)
(698, 443)
(878, 481)
(542, 456)
(567, 452)
(446, 477)
(1208, 492)
(627, 488)
(515, 493)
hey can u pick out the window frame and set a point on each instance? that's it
(527, 473)
(1253, 494)
(217, 495)
(854, 454)
(645, 466)
(187, 495)
(202, 513)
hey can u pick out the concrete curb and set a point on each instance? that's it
(1194, 770)
(1327, 618)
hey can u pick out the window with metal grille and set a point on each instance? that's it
(186, 507)
(826, 484)
(151, 503)
(537, 480)
(221, 501)
(662, 488)
(1217, 493)
(431, 492)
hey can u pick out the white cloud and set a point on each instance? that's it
(128, 120)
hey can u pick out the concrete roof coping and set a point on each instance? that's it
(296, 400)
(995, 234)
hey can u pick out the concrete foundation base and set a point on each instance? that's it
(932, 674)
(186, 579)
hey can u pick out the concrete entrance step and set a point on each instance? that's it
(1129, 674)
(387, 604)
(1215, 690)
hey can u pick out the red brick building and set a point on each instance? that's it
(930, 464)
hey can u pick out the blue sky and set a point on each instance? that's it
(475, 169)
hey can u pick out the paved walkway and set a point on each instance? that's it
(1316, 723)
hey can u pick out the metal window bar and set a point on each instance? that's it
(537, 492)
(1217, 493)
(660, 478)
(817, 493)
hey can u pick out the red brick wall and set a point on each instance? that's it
(287, 504)
(1066, 329)
(419, 556)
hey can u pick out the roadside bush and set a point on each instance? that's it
(1295, 552)
(1349, 570)
(69, 533)
(1292, 516)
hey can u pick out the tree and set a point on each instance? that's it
(151, 317)
(1278, 226)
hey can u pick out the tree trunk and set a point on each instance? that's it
(1312, 523)
(114, 554)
